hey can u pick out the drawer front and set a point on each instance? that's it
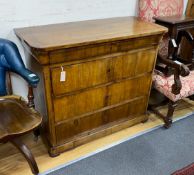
(80, 76)
(69, 107)
(78, 126)
(93, 73)
(145, 61)
(78, 104)
(84, 52)
(133, 108)
(128, 89)
(133, 64)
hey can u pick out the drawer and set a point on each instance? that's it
(85, 52)
(128, 89)
(133, 64)
(133, 108)
(70, 106)
(80, 76)
(78, 126)
(93, 73)
(145, 61)
(91, 100)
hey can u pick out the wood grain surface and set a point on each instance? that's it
(108, 65)
(50, 37)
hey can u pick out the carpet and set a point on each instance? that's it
(159, 152)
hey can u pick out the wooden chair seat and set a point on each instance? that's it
(16, 118)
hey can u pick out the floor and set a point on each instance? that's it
(13, 163)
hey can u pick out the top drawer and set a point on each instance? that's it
(93, 73)
(84, 52)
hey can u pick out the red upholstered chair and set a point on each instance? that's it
(180, 82)
(154, 8)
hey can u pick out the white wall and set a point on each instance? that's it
(21, 13)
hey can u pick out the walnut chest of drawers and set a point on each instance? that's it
(108, 67)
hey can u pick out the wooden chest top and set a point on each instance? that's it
(66, 35)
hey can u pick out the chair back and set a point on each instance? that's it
(153, 8)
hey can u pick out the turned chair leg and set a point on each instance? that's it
(36, 133)
(26, 153)
(168, 119)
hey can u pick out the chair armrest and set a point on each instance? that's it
(182, 69)
(11, 60)
(179, 69)
(31, 77)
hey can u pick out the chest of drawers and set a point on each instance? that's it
(108, 67)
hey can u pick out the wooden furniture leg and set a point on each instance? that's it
(26, 153)
(32, 105)
(168, 119)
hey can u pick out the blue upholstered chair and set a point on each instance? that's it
(17, 117)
